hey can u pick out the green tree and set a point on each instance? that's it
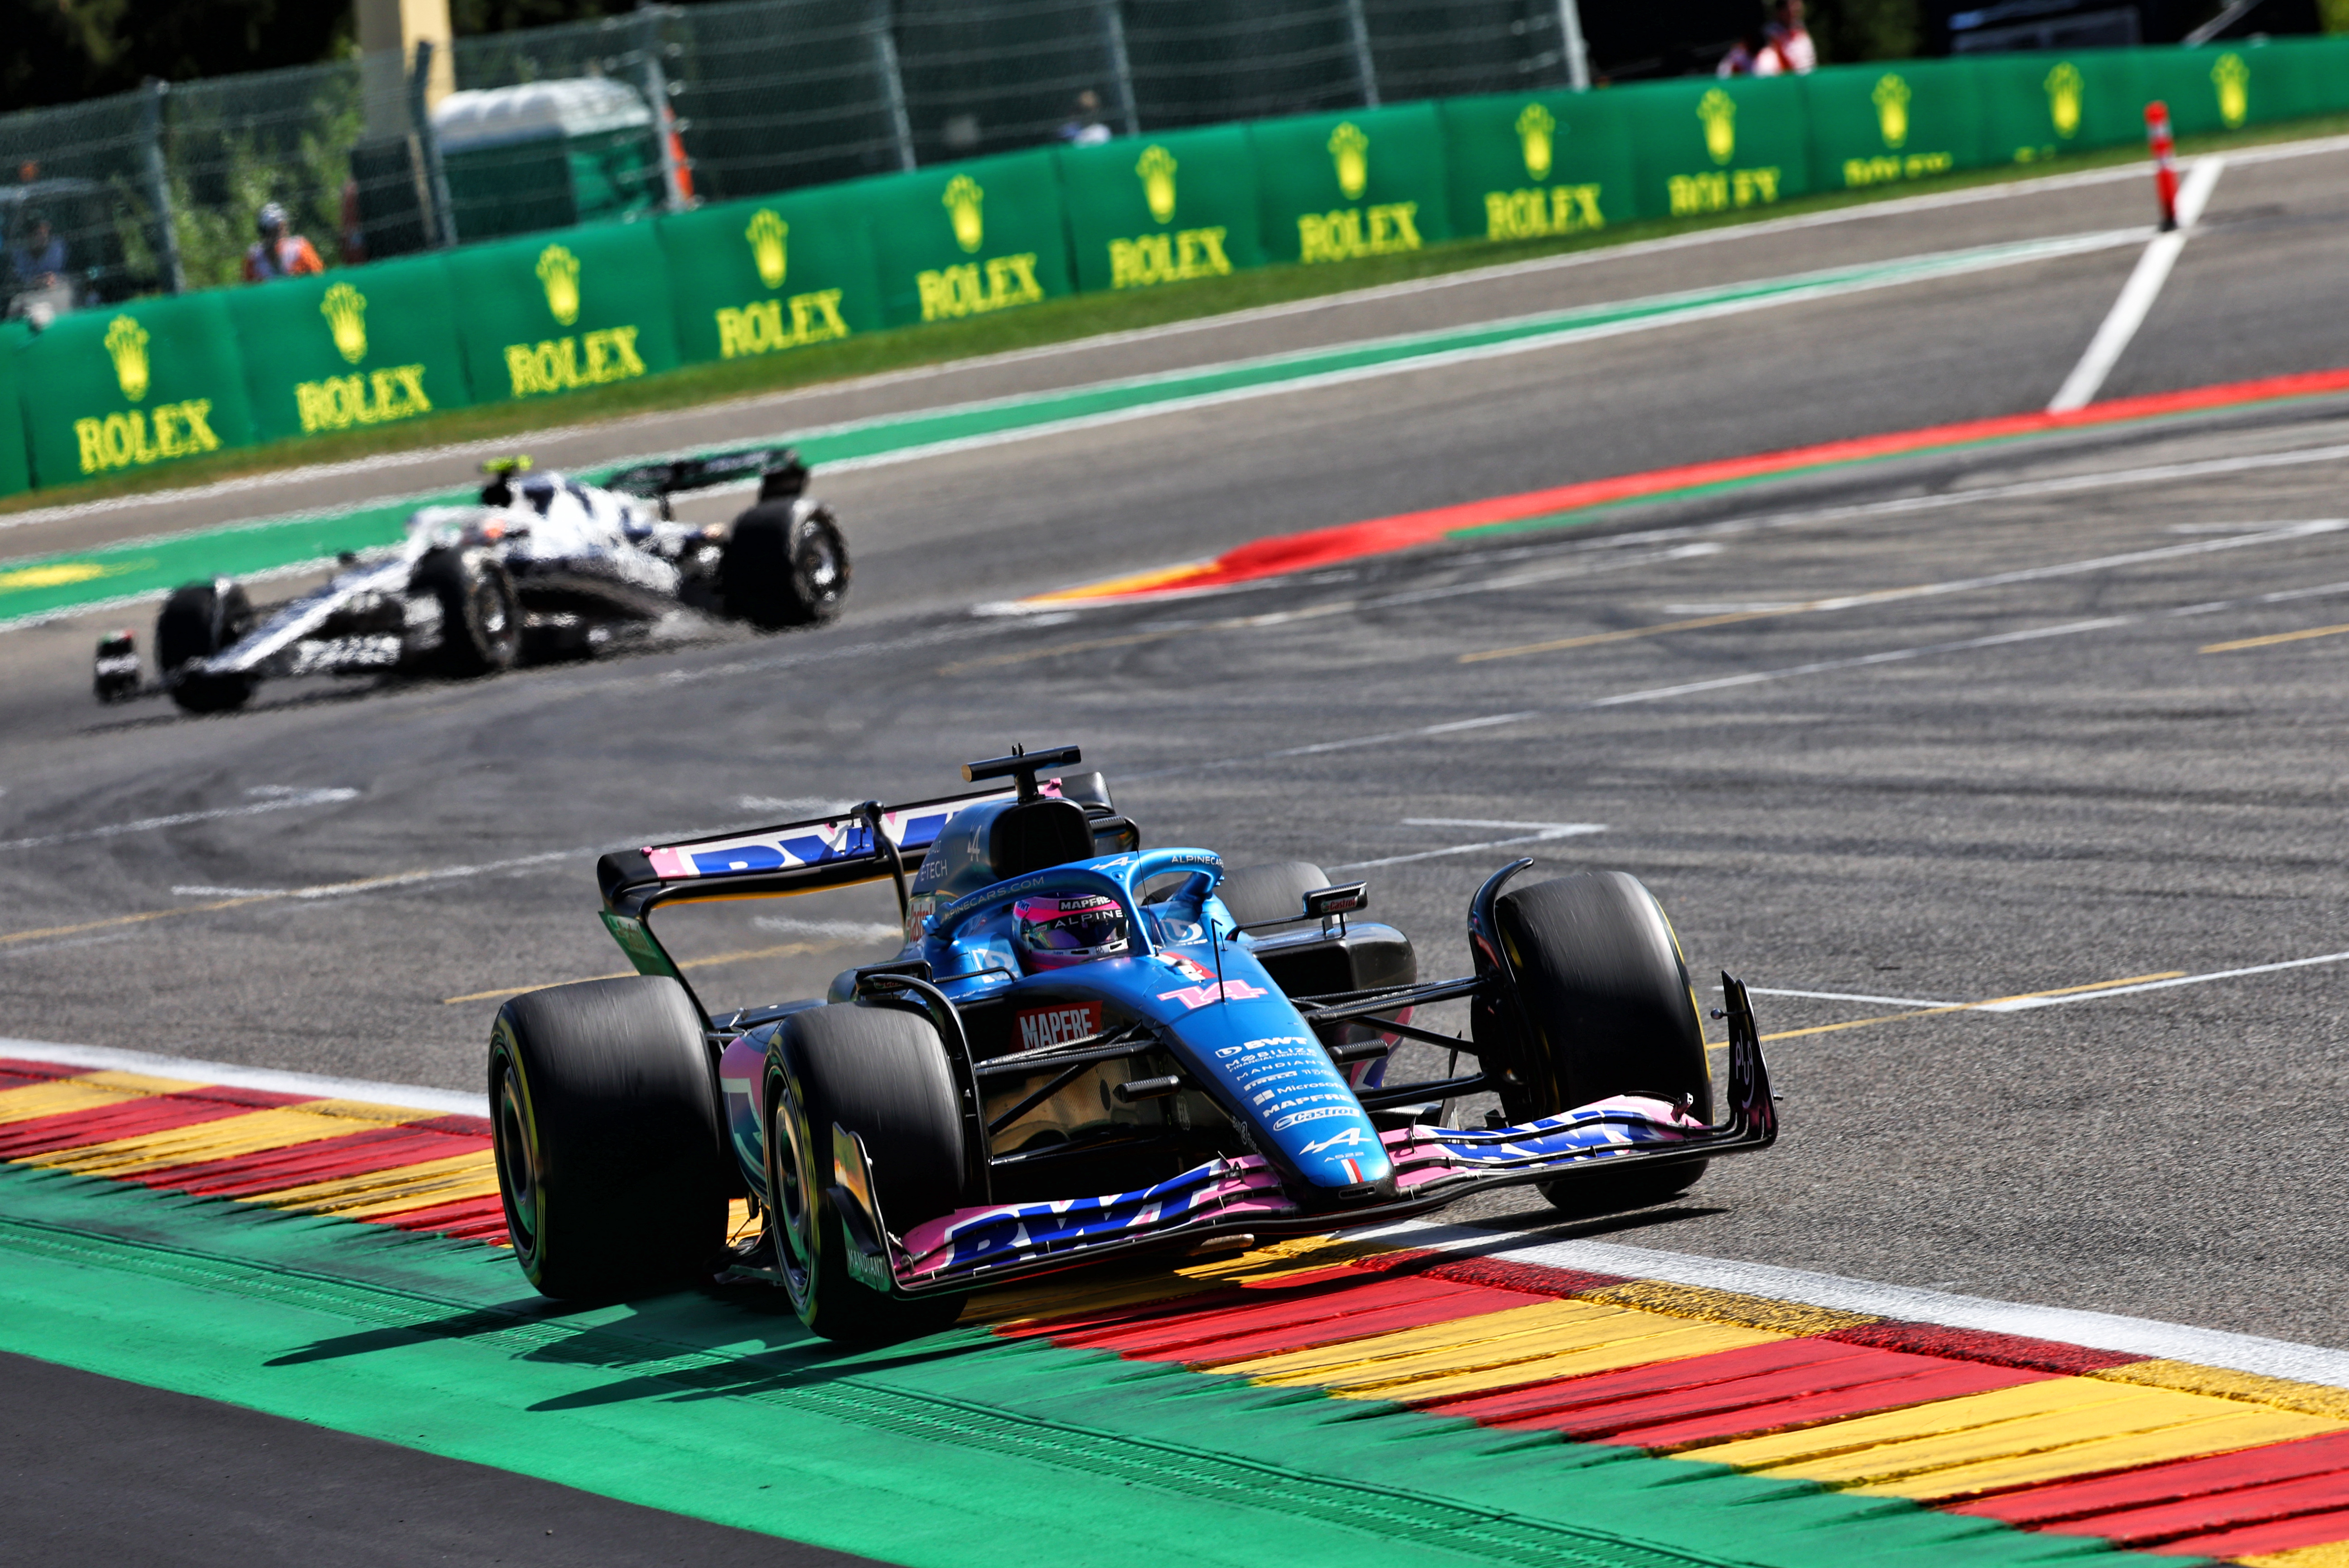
(1848, 30)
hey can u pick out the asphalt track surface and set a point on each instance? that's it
(2042, 782)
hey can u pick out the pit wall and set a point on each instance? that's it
(162, 379)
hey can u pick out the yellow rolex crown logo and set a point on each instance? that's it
(558, 270)
(1535, 128)
(2232, 78)
(126, 340)
(961, 201)
(766, 234)
(1157, 171)
(1350, 150)
(2063, 88)
(344, 309)
(1718, 112)
(1891, 95)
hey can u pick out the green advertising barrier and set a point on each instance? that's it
(2300, 77)
(581, 308)
(1162, 209)
(128, 386)
(16, 467)
(1528, 166)
(968, 239)
(1881, 125)
(1718, 146)
(2040, 106)
(1332, 187)
(361, 346)
(751, 278)
(2214, 88)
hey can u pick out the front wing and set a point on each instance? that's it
(1246, 1197)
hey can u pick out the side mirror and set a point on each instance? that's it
(1323, 904)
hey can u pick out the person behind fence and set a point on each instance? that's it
(278, 254)
(1084, 128)
(1787, 46)
(41, 261)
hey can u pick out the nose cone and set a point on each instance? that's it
(1343, 1157)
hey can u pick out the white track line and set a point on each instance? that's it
(1546, 831)
(407, 1096)
(2143, 286)
(2105, 1331)
(1853, 996)
(2022, 1004)
(286, 801)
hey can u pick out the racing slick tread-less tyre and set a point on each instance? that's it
(1259, 896)
(605, 1116)
(1608, 1011)
(481, 619)
(780, 571)
(880, 1072)
(198, 621)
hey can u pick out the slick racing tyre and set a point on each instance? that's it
(606, 1127)
(1262, 897)
(881, 1073)
(198, 621)
(784, 567)
(481, 619)
(1608, 1009)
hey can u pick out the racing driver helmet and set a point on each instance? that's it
(1054, 930)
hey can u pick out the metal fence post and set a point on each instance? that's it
(1359, 26)
(159, 187)
(665, 127)
(1578, 55)
(892, 85)
(1113, 35)
(436, 177)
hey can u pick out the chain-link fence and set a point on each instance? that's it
(159, 190)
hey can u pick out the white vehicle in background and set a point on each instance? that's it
(543, 566)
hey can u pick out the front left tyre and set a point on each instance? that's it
(607, 1134)
(198, 621)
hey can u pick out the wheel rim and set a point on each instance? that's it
(791, 1193)
(820, 567)
(493, 613)
(517, 1162)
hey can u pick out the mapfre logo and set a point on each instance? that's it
(1047, 1026)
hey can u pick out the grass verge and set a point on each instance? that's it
(1055, 321)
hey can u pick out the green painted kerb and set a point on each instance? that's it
(961, 1451)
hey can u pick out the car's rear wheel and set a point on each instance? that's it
(1606, 1009)
(882, 1074)
(198, 621)
(782, 567)
(480, 618)
(606, 1129)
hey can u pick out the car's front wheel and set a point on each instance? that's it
(881, 1073)
(605, 1125)
(1607, 1009)
(198, 621)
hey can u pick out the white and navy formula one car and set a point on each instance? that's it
(543, 566)
(1085, 1049)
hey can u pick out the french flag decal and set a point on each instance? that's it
(1353, 1169)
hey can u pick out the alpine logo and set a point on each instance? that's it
(1352, 1138)
(1044, 1026)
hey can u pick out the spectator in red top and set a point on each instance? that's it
(279, 253)
(1787, 46)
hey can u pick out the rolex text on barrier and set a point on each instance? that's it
(132, 385)
(558, 313)
(351, 349)
(1154, 209)
(1721, 146)
(970, 239)
(1338, 187)
(753, 279)
(1537, 165)
(1907, 120)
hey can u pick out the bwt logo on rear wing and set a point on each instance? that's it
(826, 841)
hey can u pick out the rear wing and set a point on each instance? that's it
(780, 474)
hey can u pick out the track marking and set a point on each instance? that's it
(1853, 996)
(2143, 286)
(1922, 590)
(276, 798)
(1543, 833)
(2270, 642)
(1996, 1003)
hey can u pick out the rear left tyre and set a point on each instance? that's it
(1607, 1009)
(881, 1073)
(606, 1128)
(198, 621)
(784, 567)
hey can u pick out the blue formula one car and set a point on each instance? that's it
(1085, 1049)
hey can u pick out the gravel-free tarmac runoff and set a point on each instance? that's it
(2052, 723)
